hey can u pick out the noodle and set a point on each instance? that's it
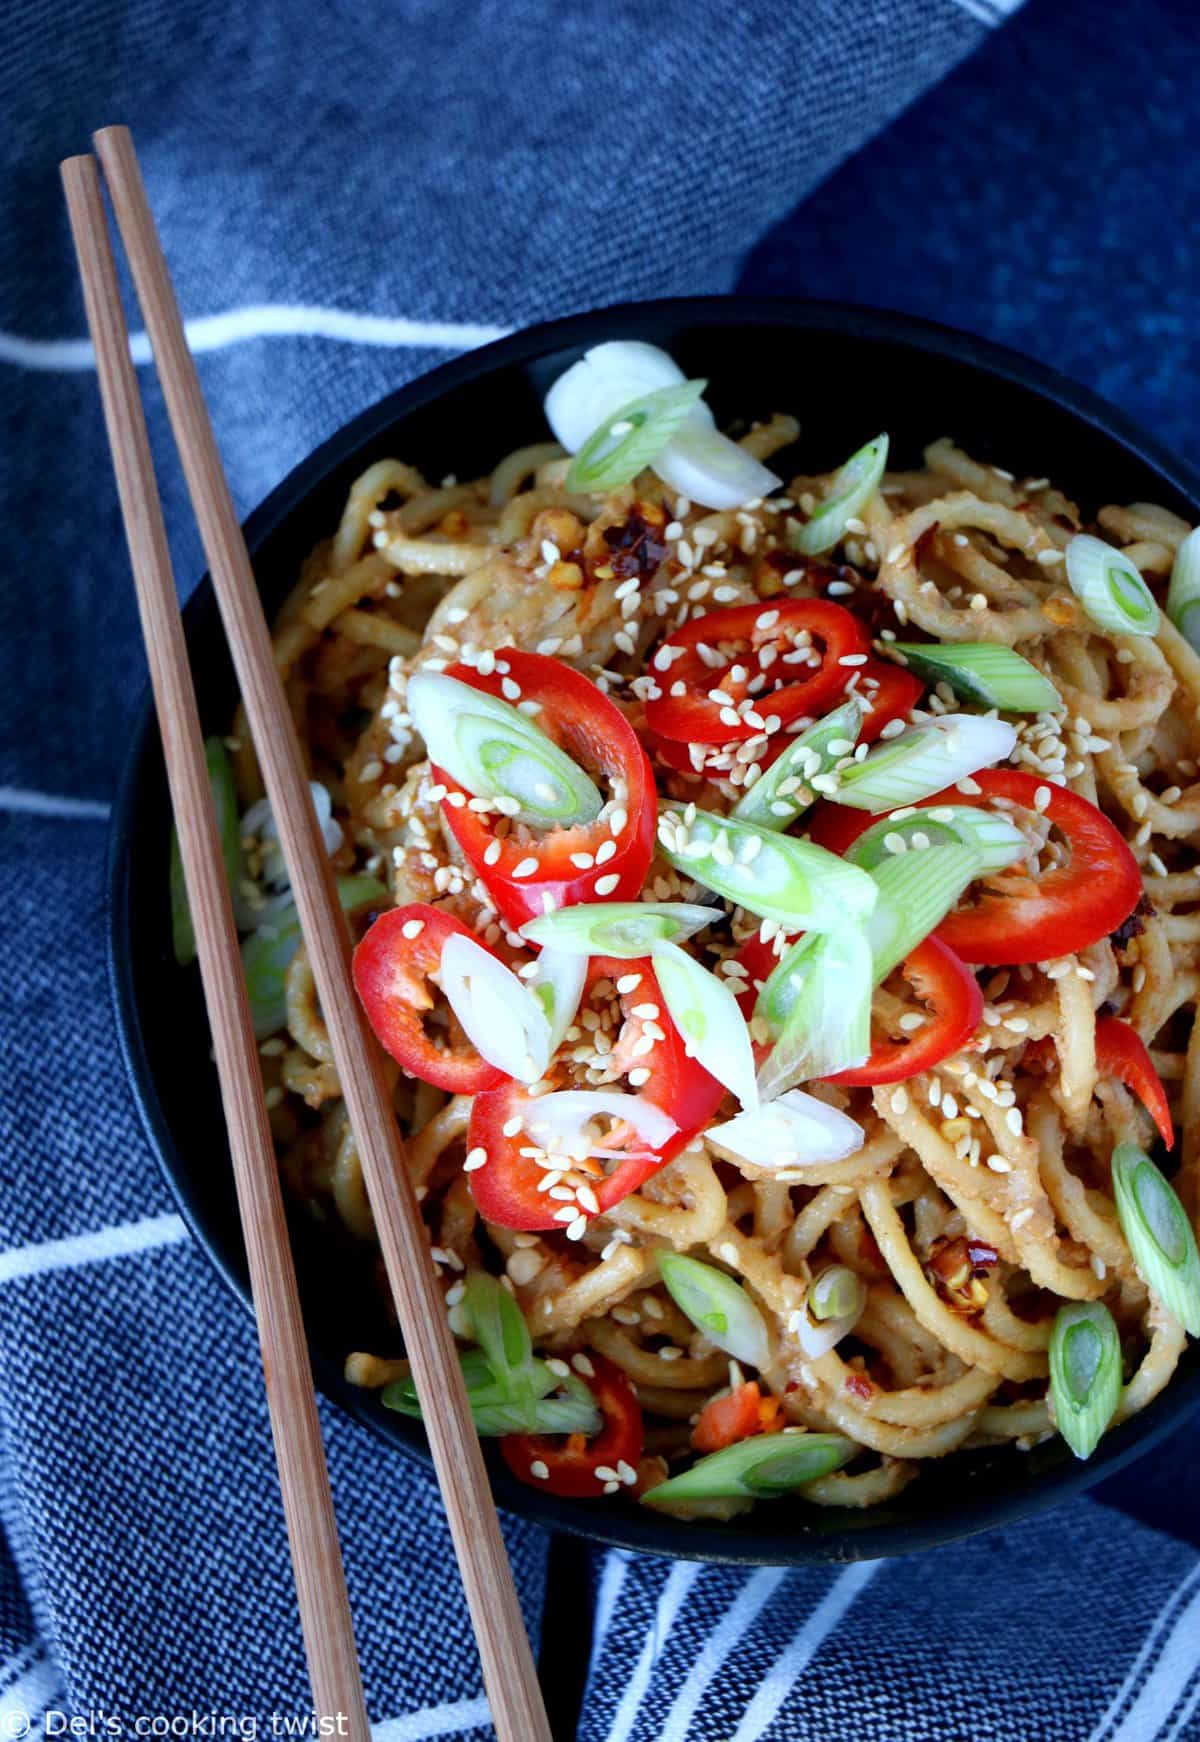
(991, 1147)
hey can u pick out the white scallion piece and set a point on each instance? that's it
(558, 987)
(500, 1016)
(709, 468)
(1085, 1373)
(705, 1011)
(817, 1004)
(924, 759)
(495, 751)
(566, 1122)
(1109, 587)
(851, 490)
(834, 1306)
(631, 439)
(619, 928)
(717, 1305)
(1160, 1235)
(1183, 595)
(797, 1130)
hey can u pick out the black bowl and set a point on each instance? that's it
(846, 372)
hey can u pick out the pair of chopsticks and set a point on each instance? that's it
(508, 1670)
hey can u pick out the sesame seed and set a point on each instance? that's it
(606, 885)
(1021, 1217)
(412, 928)
(476, 1158)
(525, 867)
(539, 1470)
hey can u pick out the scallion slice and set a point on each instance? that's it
(818, 1003)
(761, 1468)
(997, 842)
(796, 1130)
(1109, 587)
(783, 791)
(565, 1122)
(630, 439)
(983, 671)
(606, 377)
(495, 1410)
(1159, 1233)
(705, 1011)
(267, 953)
(851, 490)
(1183, 594)
(775, 876)
(916, 892)
(498, 1326)
(505, 1023)
(619, 928)
(836, 1292)
(495, 751)
(558, 986)
(717, 1306)
(224, 794)
(1085, 1373)
(924, 759)
(707, 467)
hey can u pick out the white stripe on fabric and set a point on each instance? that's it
(262, 320)
(29, 1696)
(1158, 1627)
(122, 1241)
(448, 1720)
(612, 1581)
(1184, 1715)
(982, 10)
(724, 1639)
(51, 804)
(682, 1577)
(804, 1645)
(1167, 1682)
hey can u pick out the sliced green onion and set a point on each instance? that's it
(705, 1011)
(783, 791)
(495, 751)
(505, 1023)
(916, 892)
(851, 490)
(1109, 587)
(775, 876)
(495, 1412)
(760, 1468)
(983, 671)
(1159, 1233)
(707, 467)
(1085, 1373)
(619, 928)
(1183, 594)
(796, 1130)
(558, 986)
(818, 1003)
(997, 841)
(836, 1300)
(606, 377)
(267, 953)
(836, 1292)
(922, 760)
(718, 1306)
(224, 793)
(631, 438)
(565, 1122)
(498, 1326)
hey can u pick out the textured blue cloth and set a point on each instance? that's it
(461, 169)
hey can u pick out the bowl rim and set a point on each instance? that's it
(629, 1529)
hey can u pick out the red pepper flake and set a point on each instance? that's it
(981, 1255)
(636, 547)
(859, 1385)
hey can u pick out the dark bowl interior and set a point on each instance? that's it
(846, 373)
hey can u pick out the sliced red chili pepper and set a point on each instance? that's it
(948, 986)
(1121, 1053)
(391, 977)
(1022, 918)
(759, 640)
(582, 720)
(571, 1463)
(505, 1188)
(736, 1416)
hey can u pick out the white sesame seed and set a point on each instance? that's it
(525, 867)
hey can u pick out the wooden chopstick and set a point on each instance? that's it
(508, 1670)
(303, 1477)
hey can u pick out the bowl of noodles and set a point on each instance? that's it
(756, 744)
